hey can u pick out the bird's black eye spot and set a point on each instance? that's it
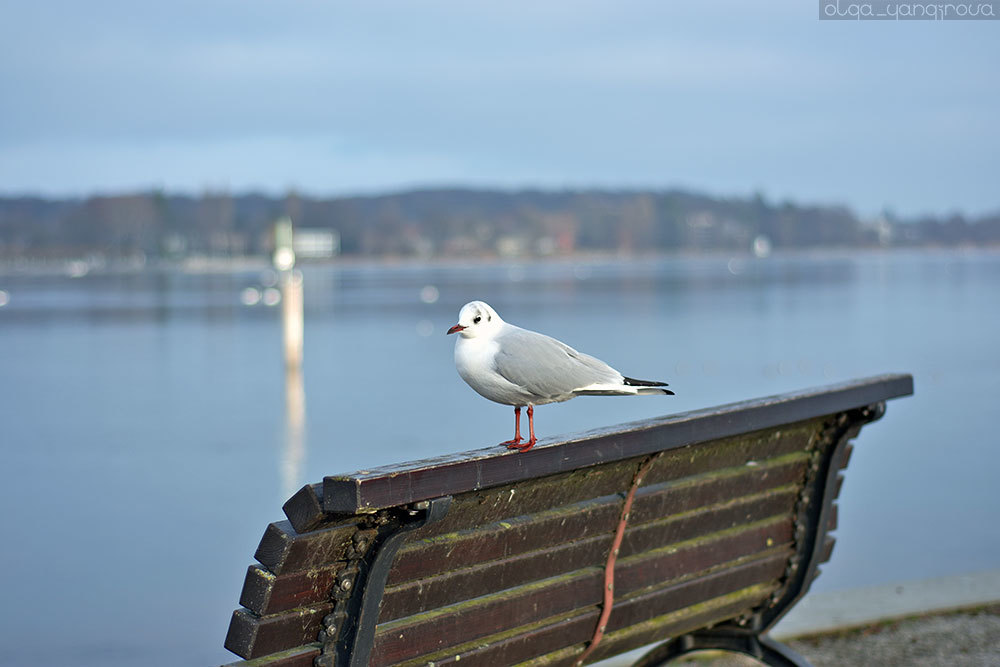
(476, 319)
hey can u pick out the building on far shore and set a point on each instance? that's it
(316, 243)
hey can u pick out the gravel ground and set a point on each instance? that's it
(969, 638)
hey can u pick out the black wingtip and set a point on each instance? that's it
(668, 392)
(632, 382)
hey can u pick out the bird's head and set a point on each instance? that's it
(476, 318)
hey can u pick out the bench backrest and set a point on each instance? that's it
(493, 557)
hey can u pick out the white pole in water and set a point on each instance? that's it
(292, 315)
(292, 325)
(292, 318)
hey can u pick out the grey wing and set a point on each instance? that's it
(546, 367)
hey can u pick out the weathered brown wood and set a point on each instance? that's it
(707, 613)
(283, 550)
(257, 587)
(501, 503)
(502, 539)
(664, 499)
(749, 450)
(703, 523)
(831, 522)
(675, 561)
(305, 508)
(655, 601)
(484, 468)
(301, 656)
(477, 508)
(558, 632)
(252, 636)
(287, 551)
(828, 544)
(846, 458)
(838, 486)
(497, 575)
(714, 598)
(265, 593)
(424, 633)
(496, 503)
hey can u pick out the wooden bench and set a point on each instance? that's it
(705, 528)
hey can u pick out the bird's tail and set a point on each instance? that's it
(628, 387)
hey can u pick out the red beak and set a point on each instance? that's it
(455, 329)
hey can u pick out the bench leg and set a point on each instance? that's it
(763, 648)
(780, 654)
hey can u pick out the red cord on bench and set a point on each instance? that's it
(609, 567)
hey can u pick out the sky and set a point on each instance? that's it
(341, 97)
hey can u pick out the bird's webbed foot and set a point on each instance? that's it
(521, 447)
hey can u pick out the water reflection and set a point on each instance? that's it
(294, 452)
(292, 324)
(292, 315)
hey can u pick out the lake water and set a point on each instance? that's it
(148, 436)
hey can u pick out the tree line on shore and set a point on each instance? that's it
(457, 222)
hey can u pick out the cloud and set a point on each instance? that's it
(336, 95)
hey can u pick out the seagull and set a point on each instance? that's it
(515, 366)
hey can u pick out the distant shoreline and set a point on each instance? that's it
(196, 265)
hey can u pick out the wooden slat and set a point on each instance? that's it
(831, 520)
(828, 542)
(252, 636)
(301, 656)
(416, 596)
(559, 632)
(424, 633)
(838, 485)
(283, 550)
(846, 457)
(265, 593)
(502, 539)
(484, 468)
(305, 508)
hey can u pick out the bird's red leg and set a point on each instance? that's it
(531, 432)
(512, 444)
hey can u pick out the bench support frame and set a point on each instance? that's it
(732, 638)
(347, 643)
